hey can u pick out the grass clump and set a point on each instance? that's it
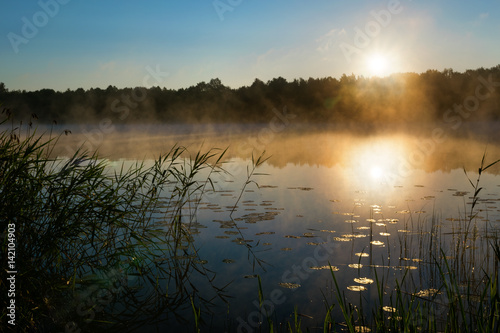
(87, 235)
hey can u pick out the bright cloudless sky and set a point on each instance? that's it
(90, 43)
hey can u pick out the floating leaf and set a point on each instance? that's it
(427, 293)
(265, 233)
(289, 285)
(305, 188)
(314, 243)
(363, 280)
(356, 288)
(354, 235)
(335, 269)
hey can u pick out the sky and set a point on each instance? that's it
(70, 44)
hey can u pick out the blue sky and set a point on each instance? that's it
(77, 43)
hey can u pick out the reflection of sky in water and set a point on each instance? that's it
(325, 201)
(313, 204)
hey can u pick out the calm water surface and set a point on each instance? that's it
(385, 202)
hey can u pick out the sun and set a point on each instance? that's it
(377, 64)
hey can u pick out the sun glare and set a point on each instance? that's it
(377, 65)
(377, 162)
(376, 172)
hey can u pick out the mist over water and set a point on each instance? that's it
(372, 196)
(250, 166)
(297, 144)
(367, 183)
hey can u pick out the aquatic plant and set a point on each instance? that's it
(459, 300)
(100, 248)
(441, 296)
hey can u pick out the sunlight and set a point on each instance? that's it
(377, 162)
(378, 64)
(376, 172)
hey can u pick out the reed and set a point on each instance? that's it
(103, 249)
(445, 297)
(87, 235)
(464, 298)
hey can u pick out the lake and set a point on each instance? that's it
(368, 204)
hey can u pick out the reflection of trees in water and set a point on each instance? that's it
(99, 250)
(310, 145)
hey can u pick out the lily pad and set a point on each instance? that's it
(335, 269)
(250, 276)
(356, 288)
(389, 309)
(289, 285)
(363, 280)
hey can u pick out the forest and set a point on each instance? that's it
(398, 98)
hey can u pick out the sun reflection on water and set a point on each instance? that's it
(377, 161)
(376, 172)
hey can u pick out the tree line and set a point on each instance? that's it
(403, 97)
